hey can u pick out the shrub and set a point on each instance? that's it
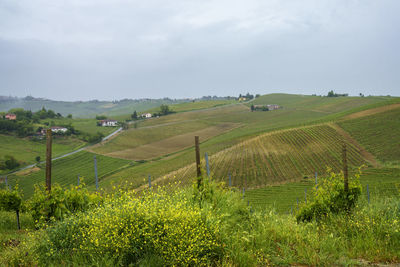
(11, 201)
(59, 203)
(157, 225)
(329, 197)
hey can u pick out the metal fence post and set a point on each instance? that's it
(207, 165)
(230, 180)
(149, 181)
(368, 193)
(79, 181)
(95, 173)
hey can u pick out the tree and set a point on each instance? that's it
(37, 159)
(134, 115)
(100, 117)
(69, 116)
(11, 201)
(252, 108)
(164, 109)
(9, 163)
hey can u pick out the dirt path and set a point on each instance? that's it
(371, 111)
(366, 155)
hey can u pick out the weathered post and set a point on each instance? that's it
(207, 165)
(345, 170)
(95, 173)
(48, 159)
(198, 167)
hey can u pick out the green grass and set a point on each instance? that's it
(10, 236)
(83, 125)
(297, 111)
(25, 150)
(283, 198)
(66, 170)
(379, 134)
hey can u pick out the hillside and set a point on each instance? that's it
(84, 109)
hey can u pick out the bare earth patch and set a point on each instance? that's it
(371, 111)
(27, 171)
(172, 144)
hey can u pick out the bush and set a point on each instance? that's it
(330, 197)
(59, 203)
(11, 201)
(129, 229)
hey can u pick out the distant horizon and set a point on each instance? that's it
(189, 98)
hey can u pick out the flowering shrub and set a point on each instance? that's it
(329, 197)
(130, 228)
(58, 203)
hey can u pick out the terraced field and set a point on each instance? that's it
(65, 171)
(277, 157)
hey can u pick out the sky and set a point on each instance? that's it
(115, 49)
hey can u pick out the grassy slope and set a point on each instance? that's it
(296, 113)
(25, 150)
(65, 171)
(83, 125)
(86, 109)
(378, 133)
(381, 182)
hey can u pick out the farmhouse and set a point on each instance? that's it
(106, 123)
(11, 116)
(273, 106)
(266, 107)
(58, 129)
(146, 115)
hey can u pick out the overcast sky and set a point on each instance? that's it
(114, 49)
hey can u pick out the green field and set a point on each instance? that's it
(383, 182)
(378, 133)
(87, 109)
(297, 111)
(26, 150)
(65, 171)
(83, 125)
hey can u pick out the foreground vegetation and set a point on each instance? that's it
(210, 225)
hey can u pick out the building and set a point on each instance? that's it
(273, 106)
(106, 123)
(11, 116)
(146, 115)
(58, 129)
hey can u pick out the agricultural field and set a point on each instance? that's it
(378, 133)
(86, 109)
(382, 182)
(252, 124)
(66, 170)
(26, 150)
(317, 103)
(276, 158)
(195, 105)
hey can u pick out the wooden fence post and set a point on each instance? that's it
(345, 170)
(198, 167)
(48, 159)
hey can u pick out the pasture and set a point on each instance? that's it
(65, 171)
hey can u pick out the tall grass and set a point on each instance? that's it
(210, 226)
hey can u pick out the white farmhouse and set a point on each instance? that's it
(146, 115)
(58, 129)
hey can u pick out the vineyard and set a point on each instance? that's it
(65, 171)
(376, 183)
(277, 157)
